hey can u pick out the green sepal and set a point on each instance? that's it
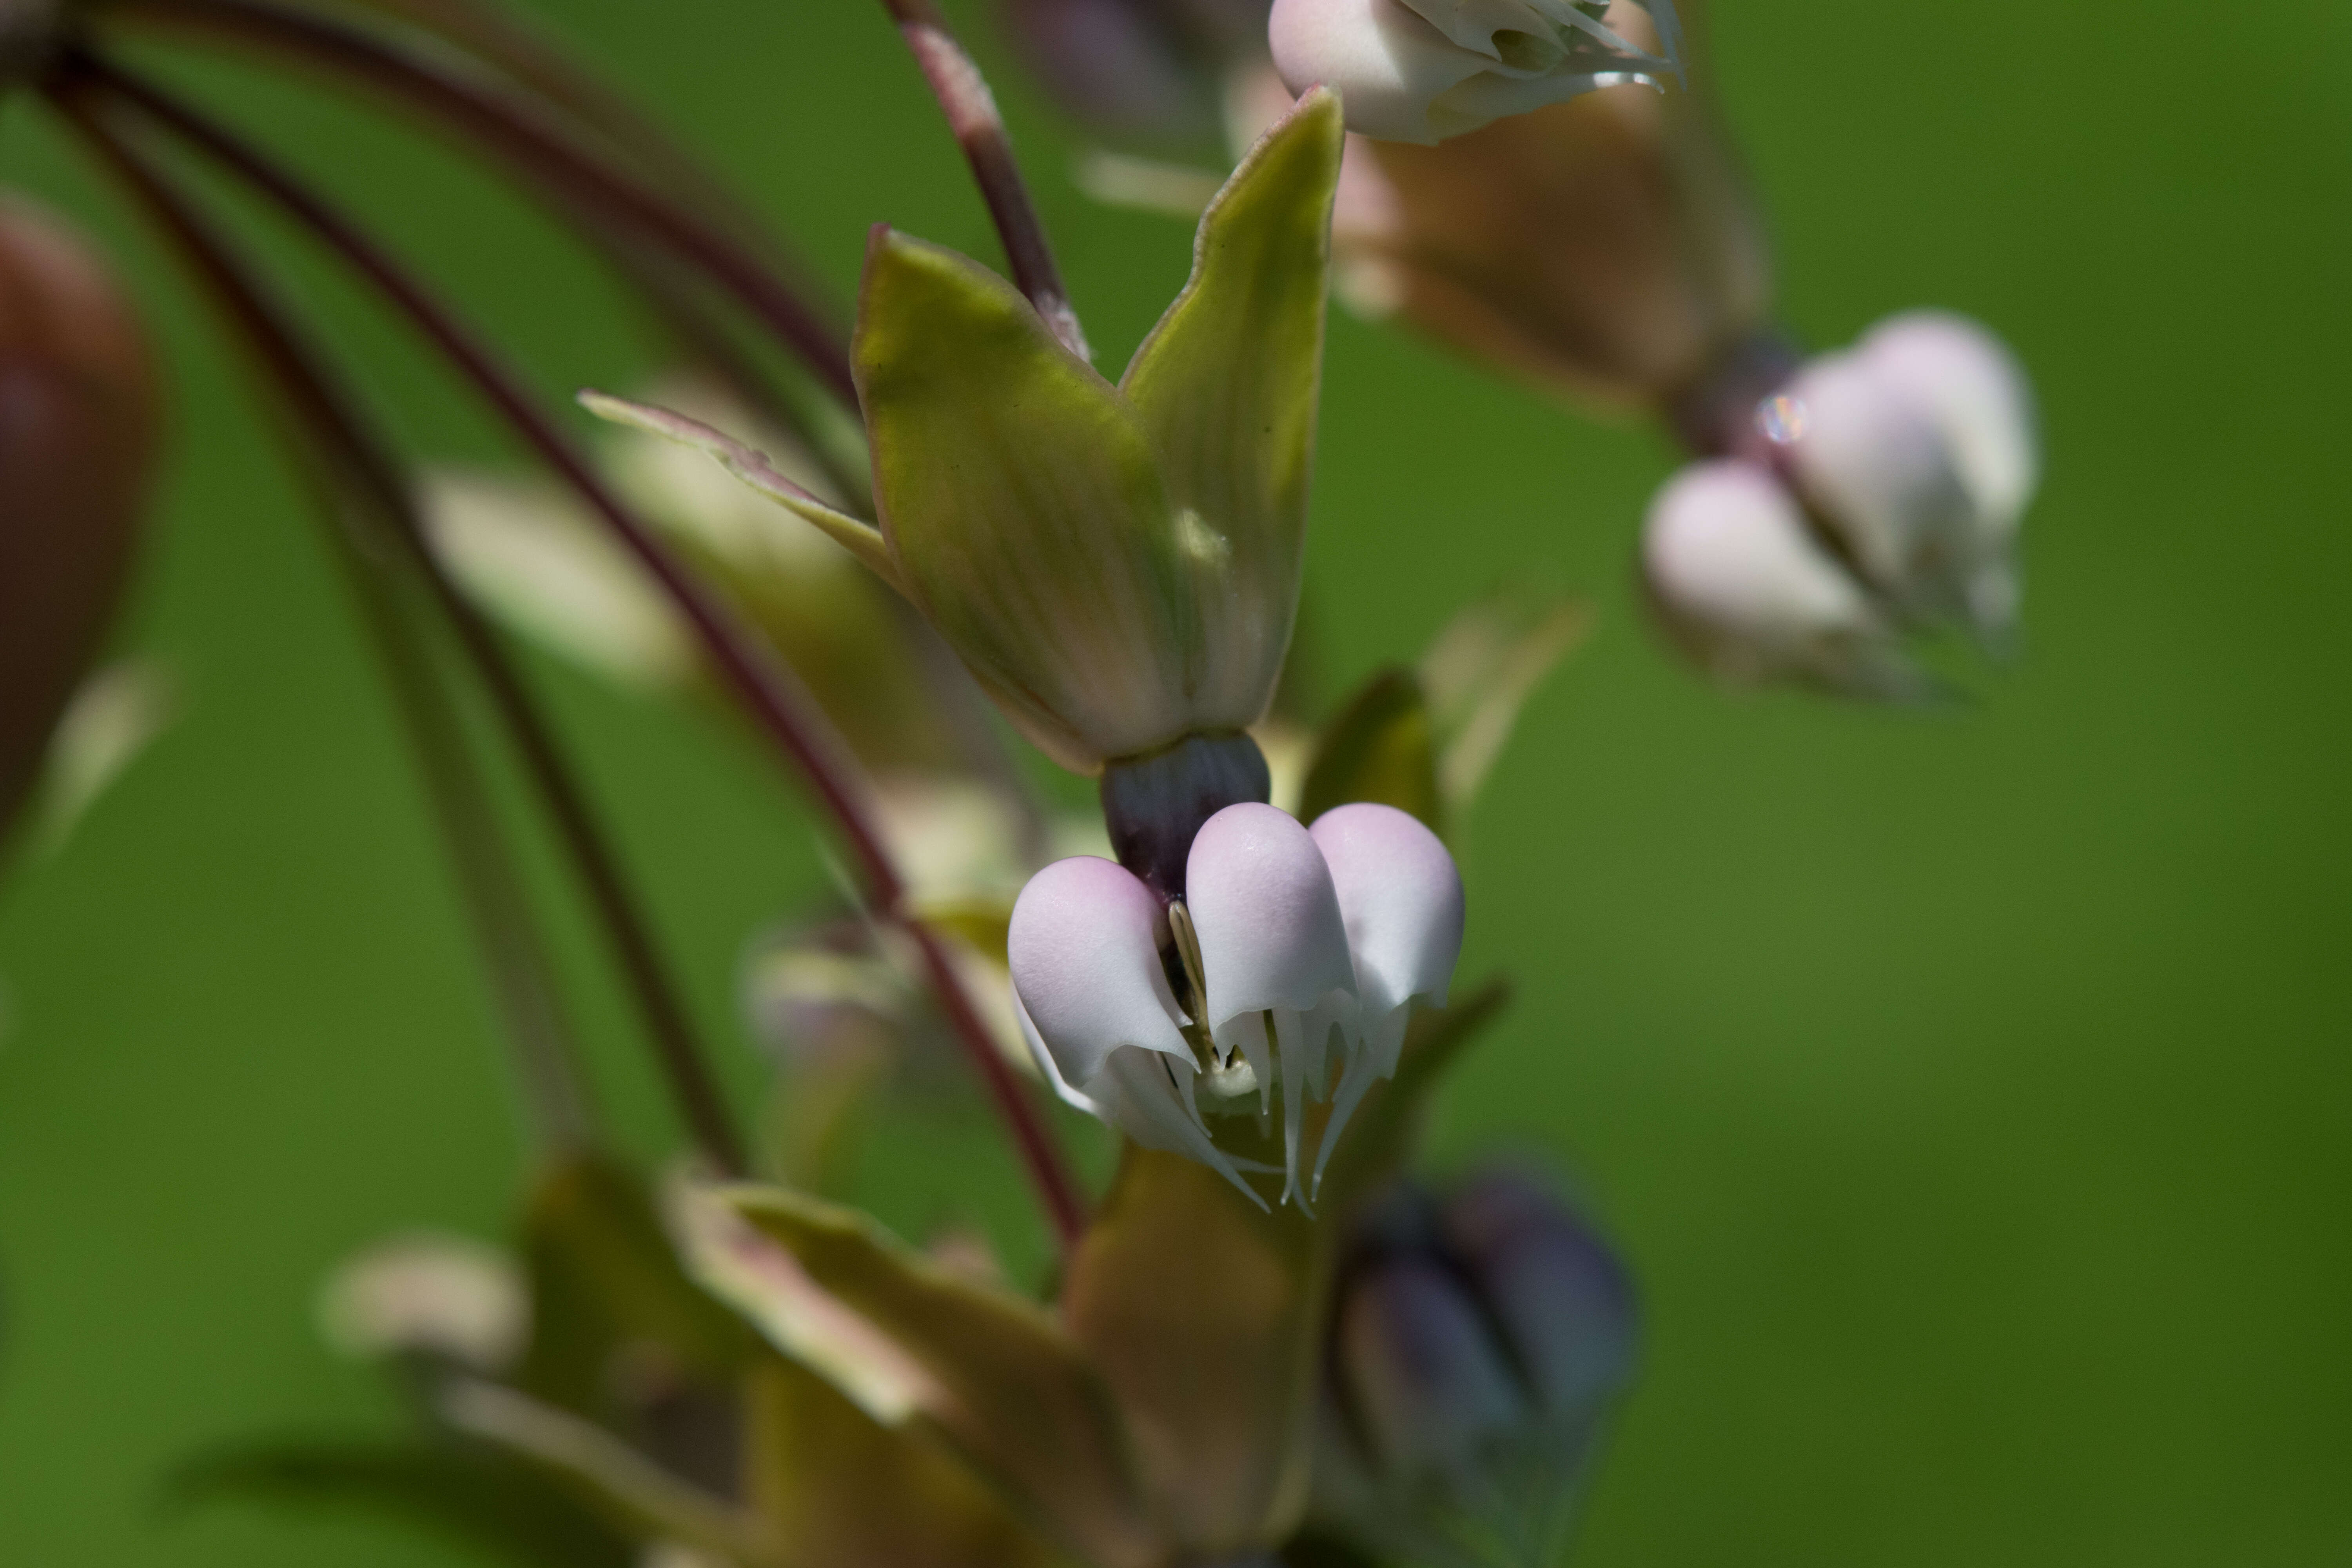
(842, 1488)
(1022, 502)
(1227, 383)
(1377, 749)
(1204, 1312)
(485, 1499)
(991, 1372)
(860, 538)
(605, 1278)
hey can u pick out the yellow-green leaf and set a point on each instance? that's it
(1204, 1315)
(1227, 384)
(1022, 501)
(994, 1373)
(1481, 669)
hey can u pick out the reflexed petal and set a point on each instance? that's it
(1875, 465)
(1085, 957)
(1401, 898)
(1980, 397)
(1227, 383)
(1741, 583)
(1268, 917)
(1024, 505)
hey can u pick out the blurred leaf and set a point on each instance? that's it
(474, 1494)
(1377, 749)
(1380, 1138)
(113, 717)
(1481, 669)
(857, 535)
(604, 1277)
(1206, 1316)
(844, 1489)
(626, 1489)
(983, 924)
(990, 1369)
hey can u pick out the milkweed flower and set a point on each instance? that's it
(1878, 491)
(1424, 70)
(1301, 953)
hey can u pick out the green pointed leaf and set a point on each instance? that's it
(860, 538)
(843, 1489)
(1481, 669)
(991, 1372)
(1227, 383)
(475, 1496)
(626, 1489)
(1022, 502)
(1377, 749)
(1206, 1313)
(605, 1281)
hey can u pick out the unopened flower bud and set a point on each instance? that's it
(444, 1297)
(1424, 70)
(1478, 1344)
(78, 441)
(1739, 581)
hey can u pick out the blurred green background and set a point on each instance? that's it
(1972, 1091)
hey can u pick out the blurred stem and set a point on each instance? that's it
(543, 155)
(371, 485)
(971, 108)
(771, 693)
(546, 1050)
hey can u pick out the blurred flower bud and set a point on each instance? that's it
(1917, 449)
(1478, 1344)
(443, 1299)
(1424, 70)
(79, 421)
(1739, 581)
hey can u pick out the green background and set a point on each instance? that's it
(1972, 1091)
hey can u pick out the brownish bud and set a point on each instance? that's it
(77, 444)
(1606, 249)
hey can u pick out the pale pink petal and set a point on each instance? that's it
(1085, 955)
(1874, 463)
(1268, 918)
(1400, 899)
(1979, 396)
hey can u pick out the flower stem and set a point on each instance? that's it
(771, 693)
(536, 150)
(971, 108)
(547, 1052)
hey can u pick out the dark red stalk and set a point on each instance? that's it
(774, 698)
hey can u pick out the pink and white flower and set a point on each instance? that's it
(1300, 953)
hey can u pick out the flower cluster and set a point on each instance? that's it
(1878, 490)
(1301, 951)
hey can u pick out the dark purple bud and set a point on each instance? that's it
(1560, 1296)
(1420, 1370)
(77, 442)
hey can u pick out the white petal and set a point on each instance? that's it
(1874, 463)
(1400, 899)
(1740, 580)
(1268, 918)
(1149, 1096)
(1421, 70)
(1977, 395)
(1085, 966)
